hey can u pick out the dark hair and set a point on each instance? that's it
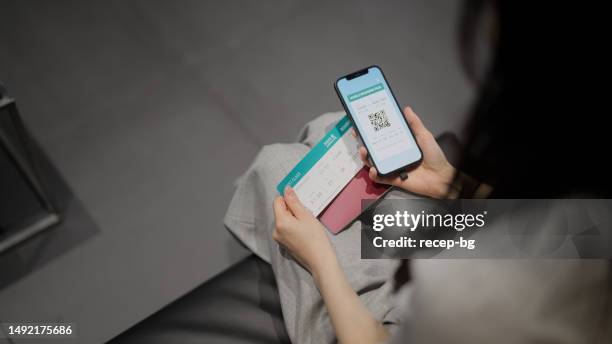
(535, 131)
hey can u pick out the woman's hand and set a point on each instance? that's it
(301, 233)
(304, 236)
(432, 177)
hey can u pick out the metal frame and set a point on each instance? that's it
(20, 152)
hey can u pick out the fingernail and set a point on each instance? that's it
(288, 191)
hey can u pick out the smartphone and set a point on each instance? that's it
(367, 97)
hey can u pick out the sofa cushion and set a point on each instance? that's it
(241, 305)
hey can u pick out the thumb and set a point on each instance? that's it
(294, 204)
(280, 208)
(414, 121)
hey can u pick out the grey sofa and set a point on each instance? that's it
(240, 305)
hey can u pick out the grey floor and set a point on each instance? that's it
(151, 109)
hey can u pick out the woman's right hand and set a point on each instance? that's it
(432, 177)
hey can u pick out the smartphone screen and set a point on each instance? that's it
(367, 98)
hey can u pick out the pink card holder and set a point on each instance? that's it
(346, 207)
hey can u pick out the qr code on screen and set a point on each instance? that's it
(379, 120)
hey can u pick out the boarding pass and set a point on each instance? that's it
(326, 169)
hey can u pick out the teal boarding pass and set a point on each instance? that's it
(326, 169)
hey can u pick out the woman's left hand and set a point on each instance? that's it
(305, 237)
(300, 232)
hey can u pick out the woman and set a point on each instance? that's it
(520, 143)
(305, 237)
